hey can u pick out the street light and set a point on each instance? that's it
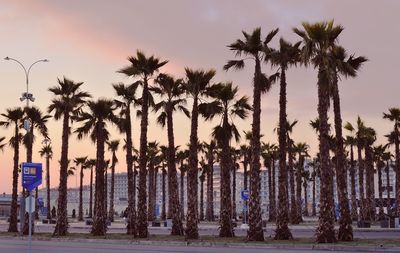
(26, 95)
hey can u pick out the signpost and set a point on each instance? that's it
(31, 178)
(245, 197)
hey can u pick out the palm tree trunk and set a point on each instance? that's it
(325, 232)
(106, 192)
(361, 180)
(314, 205)
(272, 200)
(202, 199)
(282, 229)
(182, 193)
(112, 211)
(293, 203)
(13, 226)
(270, 212)
(354, 214)
(192, 231)
(299, 217)
(131, 225)
(210, 186)
(154, 199)
(234, 214)
(91, 194)
(150, 187)
(99, 226)
(61, 228)
(381, 215)
(174, 204)
(142, 208)
(226, 229)
(397, 156)
(305, 185)
(255, 232)
(80, 209)
(370, 194)
(345, 229)
(163, 210)
(48, 186)
(387, 188)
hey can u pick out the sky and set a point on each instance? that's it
(89, 41)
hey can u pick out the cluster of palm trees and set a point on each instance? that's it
(166, 95)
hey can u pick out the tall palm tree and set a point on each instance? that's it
(152, 154)
(197, 82)
(369, 139)
(351, 141)
(14, 117)
(209, 150)
(253, 47)
(113, 148)
(342, 66)
(172, 91)
(360, 144)
(294, 219)
(387, 158)
(47, 151)
(301, 148)
(127, 95)
(181, 156)
(80, 161)
(378, 152)
(286, 56)
(90, 164)
(318, 39)
(202, 178)
(143, 68)
(67, 102)
(306, 178)
(225, 104)
(267, 152)
(394, 116)
(94, 123)
(235, 153)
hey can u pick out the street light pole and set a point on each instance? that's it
(28, 97)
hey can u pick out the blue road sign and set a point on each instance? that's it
(245, 195)
(245, 207)
(31, 175)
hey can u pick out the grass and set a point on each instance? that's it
(210, 239)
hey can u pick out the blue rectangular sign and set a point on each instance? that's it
(31, 175)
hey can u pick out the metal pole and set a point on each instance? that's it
(30, 223)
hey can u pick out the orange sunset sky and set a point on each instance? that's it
(89, 41)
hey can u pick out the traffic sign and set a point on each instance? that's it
(31, 206)
(245, 195)
(31, 175)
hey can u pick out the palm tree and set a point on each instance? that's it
(267, 153)
(172, 90)
(394, 116)
(209, 150)
(235, 153)
(301, 148)
(68, 101)
(306, 179)
(387, 157)
(152, 154)
(347, 67)
(196, 85)
(144, 68)
(113, 148)
(379, 152)
(286, 56)
(360, 143)
(82, 162)
(351, 141)
(163, 158)
(47, 151)
(127, 95)
(202, 178)
(294, 219)
(13, 117)
(2, 145)
(90, 163)
(253, 47)
(369, 139)
(227, 105)
(181, 156)
(94, 123)
(318, 39)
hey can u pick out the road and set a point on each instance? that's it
(18, 246)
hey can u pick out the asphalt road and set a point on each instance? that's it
(19, 246)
